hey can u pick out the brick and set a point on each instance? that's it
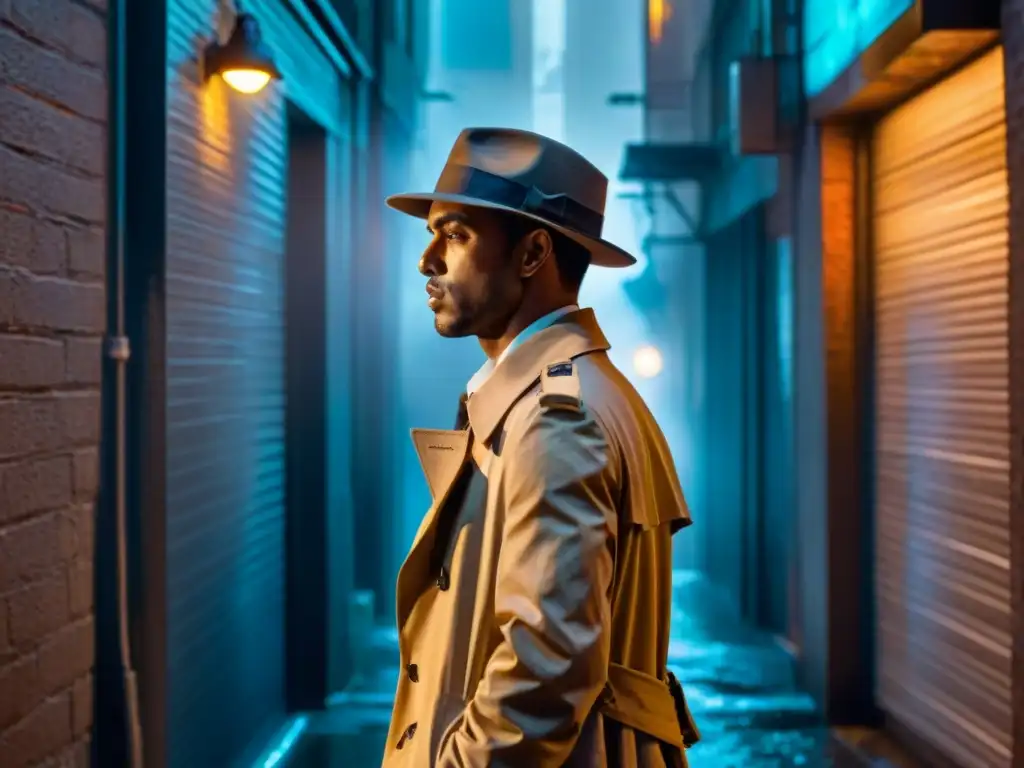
(86, 252)
(27, 362)
(34, 244)
(86, 515)
(59, 304)
(47, 189)
(66, 535)
(8, 286)
(81, 588)
(40, 128)
(29, 426)
(80, 417)
(29, 551)
(34, 485)
(45, 731)
(83, 360)
(76, 531)
(78, 32)
(86, 463)
(81, 706)
(75, 756)
(6, 650)
(19, 689)
(49, 75)
(78, 755)
(66, 657)
(38, 610)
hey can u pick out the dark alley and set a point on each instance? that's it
(448, 383)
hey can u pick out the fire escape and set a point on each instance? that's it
(711, 98)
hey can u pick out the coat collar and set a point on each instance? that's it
(575, 334)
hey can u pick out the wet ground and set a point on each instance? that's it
(739, 683)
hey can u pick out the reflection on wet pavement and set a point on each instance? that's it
(739, 683)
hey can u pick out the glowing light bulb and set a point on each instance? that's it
(246, 80)
(647, 361)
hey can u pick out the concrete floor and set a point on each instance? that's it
(739, 683)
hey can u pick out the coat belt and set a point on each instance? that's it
(642, 702)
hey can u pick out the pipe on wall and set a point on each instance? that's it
(118, 352)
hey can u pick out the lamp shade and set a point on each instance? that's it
(244, 61)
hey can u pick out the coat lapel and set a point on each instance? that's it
(442, 454)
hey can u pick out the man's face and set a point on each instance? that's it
(475, 284)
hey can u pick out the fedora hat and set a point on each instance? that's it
(528, 175)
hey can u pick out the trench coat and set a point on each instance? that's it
(534, 605)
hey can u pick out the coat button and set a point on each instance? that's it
(443, 580)
(407, 735)
(413, 671)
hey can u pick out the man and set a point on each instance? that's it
(533, 607)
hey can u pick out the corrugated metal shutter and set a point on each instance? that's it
(942, 474)
(226, 230)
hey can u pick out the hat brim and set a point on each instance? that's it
(602, 253)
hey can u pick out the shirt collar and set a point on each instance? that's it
(532, 329)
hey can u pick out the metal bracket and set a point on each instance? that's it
(681, 211)
(648, 196)
(118, 348)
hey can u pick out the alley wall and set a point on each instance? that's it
(53, 135)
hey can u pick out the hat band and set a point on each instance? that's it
(560, 209)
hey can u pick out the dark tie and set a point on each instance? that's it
(462, 420)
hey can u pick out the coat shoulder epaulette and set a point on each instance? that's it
(560, 386)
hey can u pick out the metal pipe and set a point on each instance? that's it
(119, 351)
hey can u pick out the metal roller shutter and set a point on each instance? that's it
(226, 419)
(942, 419)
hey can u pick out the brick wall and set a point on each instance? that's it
(1013, 49)
(52, 312)
(829, 620)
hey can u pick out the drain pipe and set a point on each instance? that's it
(119, 351)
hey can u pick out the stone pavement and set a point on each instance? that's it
(739, 682)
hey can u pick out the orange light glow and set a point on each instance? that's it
(658, 14)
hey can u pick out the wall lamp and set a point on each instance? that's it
(244, 62)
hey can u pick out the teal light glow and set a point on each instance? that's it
(477, 36)
(837, 31)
